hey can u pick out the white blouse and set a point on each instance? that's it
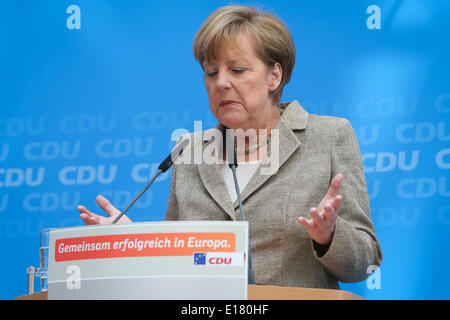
(244, 172)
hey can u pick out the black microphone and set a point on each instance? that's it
(233, 163)
(163, 167)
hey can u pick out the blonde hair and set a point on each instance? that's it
(273, 41)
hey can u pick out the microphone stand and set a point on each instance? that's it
(137, 197)
(233, 163)
(163, 167)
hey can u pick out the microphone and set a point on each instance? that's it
(163, 167)
(233, 163)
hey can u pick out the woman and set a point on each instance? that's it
(309, 221)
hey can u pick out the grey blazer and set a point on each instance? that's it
(312, 150)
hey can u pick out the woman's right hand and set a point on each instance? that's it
(92, 218)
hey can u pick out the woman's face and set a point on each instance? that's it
(239, 83)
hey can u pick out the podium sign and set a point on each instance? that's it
(154, 260)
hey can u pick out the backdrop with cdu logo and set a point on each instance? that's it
(94, 93)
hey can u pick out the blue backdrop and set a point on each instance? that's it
(90, 95)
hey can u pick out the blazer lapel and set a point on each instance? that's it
(294, 118)
(214, 183)
(212, 178)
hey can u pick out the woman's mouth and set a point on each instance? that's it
(227, 103)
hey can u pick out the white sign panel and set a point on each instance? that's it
(155, 260)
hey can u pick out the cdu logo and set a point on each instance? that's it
(199, 258)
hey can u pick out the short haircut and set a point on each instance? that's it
(273, 40)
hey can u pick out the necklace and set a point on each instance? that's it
(259, 144)
(254, 147)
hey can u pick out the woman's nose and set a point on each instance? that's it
(223, 80)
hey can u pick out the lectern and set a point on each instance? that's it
(256, 292)
(187, 260)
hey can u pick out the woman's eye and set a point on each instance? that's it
(234, 70)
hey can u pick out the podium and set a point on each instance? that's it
(257, 292)
(189, 260)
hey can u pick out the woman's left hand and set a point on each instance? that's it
(323, 218)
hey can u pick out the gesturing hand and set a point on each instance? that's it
(92, 218)
(323, 218)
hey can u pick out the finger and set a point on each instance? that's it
(328, 212)
(316, 216)
(87, 219)
(82, 209)
(336, 204)
(87, 216)
(308, 224)
(335, 185)
(107, 206)
(85, 211)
